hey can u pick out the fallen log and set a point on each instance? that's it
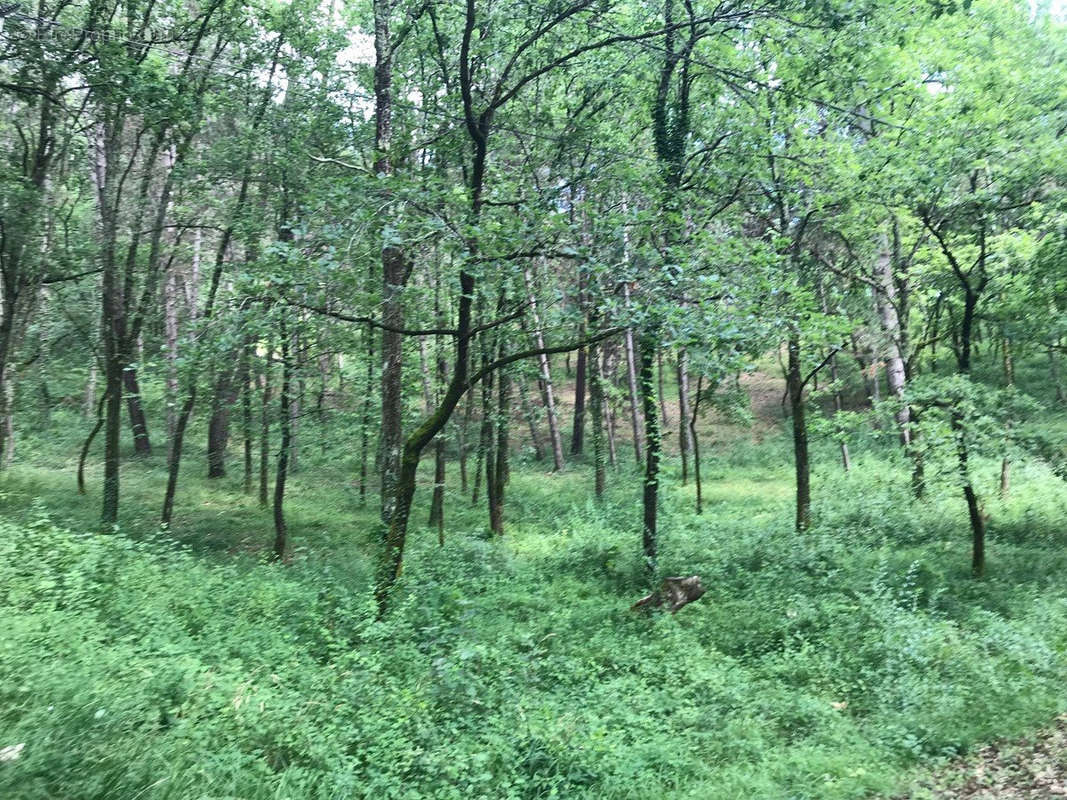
(674, 593)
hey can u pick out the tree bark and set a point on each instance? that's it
(650, 496)
(685, 441)
(596, 408)
(578, 429)
(546, 377)
(395, 268)
(142, 446)
(696, 444)
(885, 299)
(218, 429)
(280, 529)
(631, 378)
(795, 386)
(264, 433)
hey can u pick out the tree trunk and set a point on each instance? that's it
(546, 378)
(170, 330)
(437, 502)
(885, 300)
(531, 421)
(846, 459)
(609, 405)
(596, 408)
(280, 530)
(650, 496)
(1009, 381)
(464, 448)
(696, 444)
(112, 426)
(662, 392)
(795, 385)
(365, 417)
(578, 429)
(631, 379)
(134, 408)
(89, 443)
(501, 467)
(264, 433)
(685, 441)
(246, 412)
(395, 268)
(218, 429)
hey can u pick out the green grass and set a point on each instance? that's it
(830, 665)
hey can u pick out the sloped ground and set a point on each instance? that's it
(1032, 768)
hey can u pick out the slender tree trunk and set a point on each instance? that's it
(609, 405)
(395, 268)
(246, 412)
(170, 330)
(696, 444)
(846, 459)
(546, 378)
(134, 408)
(685, 441)
(218, 429)
(1009, 381)
(90, 392)
(112, 427)
(578, 429)
(280, 530)
(264, 433)
(89, 443)
(662, 392)
(464, 447)
(501, 469)
(631, 378)
(437, 503)
(650, 497)
(296, 399)
(365, 418)
(885, 300)
(596, 408)
(794, 382)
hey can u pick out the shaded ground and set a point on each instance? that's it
(1031, 768)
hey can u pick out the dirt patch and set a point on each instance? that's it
(1032, 768)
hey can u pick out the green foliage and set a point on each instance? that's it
(815, 667)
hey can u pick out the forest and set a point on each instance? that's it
(533, 399)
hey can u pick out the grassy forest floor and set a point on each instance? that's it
(856, 660)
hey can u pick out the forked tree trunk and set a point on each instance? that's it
(696, 444)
